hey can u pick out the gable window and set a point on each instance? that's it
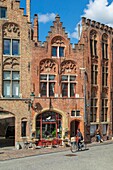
(11, 84)
(11, 47)
(3, 12)
(57, 51)
(68, 85)
(47, 85)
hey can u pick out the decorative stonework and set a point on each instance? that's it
(104, 38)
(68, 67)
(10, 63)
(58, 40)
(11, 29)
(93, 34)
(47, 66)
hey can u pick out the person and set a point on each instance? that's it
(80, 137)
(98, 136)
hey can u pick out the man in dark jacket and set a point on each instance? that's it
(80, 137)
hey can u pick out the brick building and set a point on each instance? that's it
(72, 84)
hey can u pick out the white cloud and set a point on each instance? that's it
(44, 18)
(98, 10)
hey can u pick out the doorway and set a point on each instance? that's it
(7, 131)
(73, 128)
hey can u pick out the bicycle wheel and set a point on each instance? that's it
(74, 147)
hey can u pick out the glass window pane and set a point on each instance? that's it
(72, 78)
(72, 90)
(3, 12)
(15, 47)
(6, 75)
(64, 89)
(43, 77)
(61, 51)
(15, 90)
(15, 75)
(7, 46)
(54, 51)
(51, 89)
(23, 128)
(51, 77)
(64, 78)
(6, 91)
(43, 89)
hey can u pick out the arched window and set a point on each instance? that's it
(58, 47)
(93, 43)
(49, 125)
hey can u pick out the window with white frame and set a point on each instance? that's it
(57, 51)
(11, 83)
(11, 47)
(68, 85)
(94, 74)
(47, 85)
(104, 110)
(3, 12)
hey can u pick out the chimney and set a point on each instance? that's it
(35, 28)
(28, 3)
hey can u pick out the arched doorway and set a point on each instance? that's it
(73, 127)
(48, 125)
(7, 129)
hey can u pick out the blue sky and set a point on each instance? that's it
(70, 12)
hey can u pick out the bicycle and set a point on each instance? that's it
(74, 145)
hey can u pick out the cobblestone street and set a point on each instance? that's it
(98, 157)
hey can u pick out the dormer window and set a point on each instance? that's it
(58, 47)
(3, 12)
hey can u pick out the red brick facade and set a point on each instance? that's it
(88, 92)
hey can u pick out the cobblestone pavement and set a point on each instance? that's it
(12, 153)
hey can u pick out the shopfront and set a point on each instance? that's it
(49, 125)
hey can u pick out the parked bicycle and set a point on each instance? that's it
(75, 147)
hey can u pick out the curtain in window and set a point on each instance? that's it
(15, 91)
(51, 89)
(6, 88)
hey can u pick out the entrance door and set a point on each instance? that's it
(74, 126)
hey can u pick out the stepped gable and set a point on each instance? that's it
(57, 29)
(91, 23)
